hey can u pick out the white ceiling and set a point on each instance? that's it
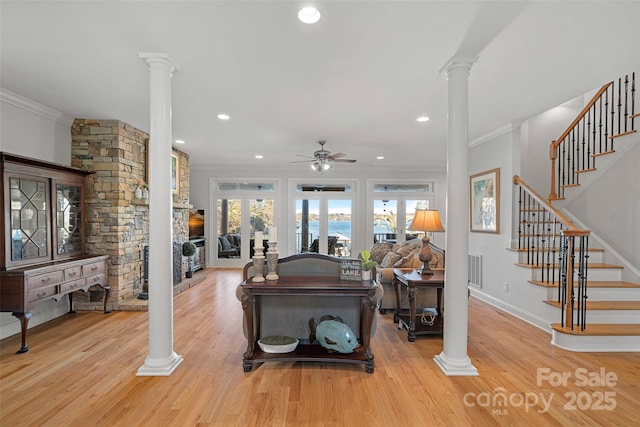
(359, 78)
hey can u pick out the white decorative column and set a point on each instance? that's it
(454, 360)
(161, 360)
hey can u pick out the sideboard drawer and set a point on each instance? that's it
(42, 280)
(93, 268)
(96, 279)
(72, 286)
(42, 293)
(72, 273)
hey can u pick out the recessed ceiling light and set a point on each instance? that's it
(422, 119)
(259, 156)
(380, 158)
(223, 116)
(179, 141)
(309, 15)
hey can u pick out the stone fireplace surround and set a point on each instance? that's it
(117, 222)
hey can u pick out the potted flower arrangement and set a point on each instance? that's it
(367, 264)
(188, 250)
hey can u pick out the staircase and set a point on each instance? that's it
(596, 309)
(612, 307)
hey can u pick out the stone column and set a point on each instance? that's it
(161, 360)
(454, 360)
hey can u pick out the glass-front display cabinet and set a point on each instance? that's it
(43, 211)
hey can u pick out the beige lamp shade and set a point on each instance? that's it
(426, 220)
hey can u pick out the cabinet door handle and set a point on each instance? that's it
(73, 274)
(47, 280)
(41, 294)
(94, 268)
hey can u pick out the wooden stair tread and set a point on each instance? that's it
(595, 265)
(600, 329)
(612, 284)
(605, 305)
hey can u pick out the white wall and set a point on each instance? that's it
(33, 130)
(541, 131)
(610, 207)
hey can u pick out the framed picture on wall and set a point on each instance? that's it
(484, 189)
(175, 181)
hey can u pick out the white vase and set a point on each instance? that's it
(138, 193)
(145, 193)
(366, 274)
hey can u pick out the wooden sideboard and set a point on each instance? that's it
(22, 288)
(308, 286)
(43, 253)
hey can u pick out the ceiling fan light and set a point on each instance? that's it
(315, 166)
(326, 166)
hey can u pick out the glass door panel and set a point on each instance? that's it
(385, 220)
(339, 227)
(29, 228)
(229, 228)
(307, 225)
(262, 219)
(68, 219)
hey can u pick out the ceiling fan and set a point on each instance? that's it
(321, 160)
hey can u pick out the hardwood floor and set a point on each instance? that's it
(81, 371)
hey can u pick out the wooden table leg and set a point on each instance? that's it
(396, 312)
(248, 303)
(411, 333)
(71, 310)
(107, 290)
(24, 322)
(368, 312)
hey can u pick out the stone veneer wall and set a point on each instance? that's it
(117, 222)
(117, 225)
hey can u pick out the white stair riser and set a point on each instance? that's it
(595, 343)
(592, 274)
(613, 294)
(613, 316)
(594, 257)
(603, 294)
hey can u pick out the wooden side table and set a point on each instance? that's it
(413, 280)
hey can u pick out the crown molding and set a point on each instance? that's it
(34, 107)
(491, 135)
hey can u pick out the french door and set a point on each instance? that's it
(240, 210)
(324, 219)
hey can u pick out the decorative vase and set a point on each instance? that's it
(137, 193)
(145, 193)
(366, 274)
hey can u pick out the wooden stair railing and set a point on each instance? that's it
(607, 116)
(557, 248)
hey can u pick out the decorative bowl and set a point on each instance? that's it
(278, 344)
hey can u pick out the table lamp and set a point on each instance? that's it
(426, 220)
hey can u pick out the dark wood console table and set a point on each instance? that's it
(309, 286)
(413, 280)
